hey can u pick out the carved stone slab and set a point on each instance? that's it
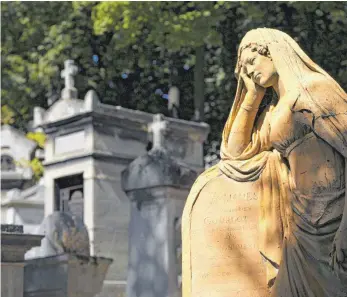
(224, 241)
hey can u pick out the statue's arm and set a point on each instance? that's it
(241, 130)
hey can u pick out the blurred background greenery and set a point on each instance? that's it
(132, 52)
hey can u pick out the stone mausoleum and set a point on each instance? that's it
(98, 169)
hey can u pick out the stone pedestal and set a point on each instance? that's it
(14, 244)
(65, 275)
(157, 186)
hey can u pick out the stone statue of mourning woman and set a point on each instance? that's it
(271, 218)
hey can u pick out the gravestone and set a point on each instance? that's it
(156, 185)
(225, 258)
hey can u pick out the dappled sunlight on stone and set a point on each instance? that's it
(224, 239)
(291, 154)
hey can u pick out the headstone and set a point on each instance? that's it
(156, 184)
(225, 258)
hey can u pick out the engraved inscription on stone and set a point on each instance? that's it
(224, 237)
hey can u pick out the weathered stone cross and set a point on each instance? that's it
(158, 128)
(68, 73)
(70, 70)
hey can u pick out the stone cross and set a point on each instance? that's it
(158, 128)
(70, 70)
(68, 73)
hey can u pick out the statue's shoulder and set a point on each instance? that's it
(316, 86)
(317, 82)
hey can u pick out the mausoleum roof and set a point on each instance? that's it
(63, 109)
(16, 143)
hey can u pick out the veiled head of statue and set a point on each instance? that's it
(296, 72)
(258, 65)
(291, 63)
(259, 54)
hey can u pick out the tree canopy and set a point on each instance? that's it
(132, 52)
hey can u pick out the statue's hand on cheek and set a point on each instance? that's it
(253, 90)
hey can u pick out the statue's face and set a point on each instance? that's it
(259, 68)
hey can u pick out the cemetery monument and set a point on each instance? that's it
(22, 197)
(271, 218)
(88, 147)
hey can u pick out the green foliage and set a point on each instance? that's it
(141, 48)
(170, 24)
(37, 168)
(24, 80)
(35, 164)
(38, 137)
(7, 115)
